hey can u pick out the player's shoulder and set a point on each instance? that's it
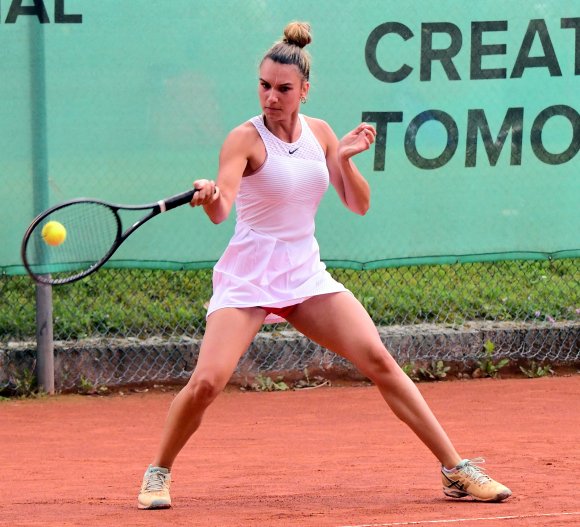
(317, 124)
(244, 134)
(322, 130)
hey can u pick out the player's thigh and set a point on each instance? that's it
(229, 332)
(340, 323)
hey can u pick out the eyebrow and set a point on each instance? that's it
(283, 84)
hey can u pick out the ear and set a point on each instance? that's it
(304, 89)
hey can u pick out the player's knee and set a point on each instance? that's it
(379, 364)
(204, 389)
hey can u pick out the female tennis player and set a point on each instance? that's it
(275, 168)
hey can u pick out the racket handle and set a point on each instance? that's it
(177, 200)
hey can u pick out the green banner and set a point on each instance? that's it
(476, 107)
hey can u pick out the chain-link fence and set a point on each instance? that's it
(472, 163)
(124, 327)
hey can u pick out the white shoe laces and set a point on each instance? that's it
(155, 482)
(474, 472)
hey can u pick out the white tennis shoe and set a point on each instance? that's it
(155, 489)
(468, 479)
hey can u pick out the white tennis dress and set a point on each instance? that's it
(273, 258)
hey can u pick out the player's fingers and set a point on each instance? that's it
(369, 130)
(358, 130)
(365, 127)
(370, 135)
(201, 185)
(207, 192)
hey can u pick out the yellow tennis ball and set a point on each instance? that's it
(54, 233)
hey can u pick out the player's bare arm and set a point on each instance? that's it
(235, 157)
(349, 183)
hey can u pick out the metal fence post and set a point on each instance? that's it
(44, 330)
(44, 339)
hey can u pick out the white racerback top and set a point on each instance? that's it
(273, 258)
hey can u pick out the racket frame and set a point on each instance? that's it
(156, 208)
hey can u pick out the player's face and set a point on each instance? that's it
(280, 89)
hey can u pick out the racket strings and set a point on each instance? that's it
(91, 230)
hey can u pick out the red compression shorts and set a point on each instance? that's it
(280, 311)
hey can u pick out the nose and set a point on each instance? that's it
(272, 96)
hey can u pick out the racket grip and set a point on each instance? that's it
(177, 200)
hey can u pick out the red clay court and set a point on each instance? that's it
(325, 457)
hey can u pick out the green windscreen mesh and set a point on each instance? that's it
(476, 107)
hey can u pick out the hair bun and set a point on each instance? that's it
(297, 34)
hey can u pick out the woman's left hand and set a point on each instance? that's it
(357, 141)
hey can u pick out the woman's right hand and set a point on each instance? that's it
(207, 192)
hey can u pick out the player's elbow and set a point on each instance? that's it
(216, 217)
(360, 207)
(365, 208)
(362, 212)
(216, 212)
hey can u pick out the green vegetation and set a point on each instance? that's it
(501, 291)
(264, 383)
(25, 385)
(536, 369)
(115, 303)
(86, 387)
(411, 371)
(435, 371)
(488, 367)
(143, 303)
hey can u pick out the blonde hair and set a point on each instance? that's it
(289, 50)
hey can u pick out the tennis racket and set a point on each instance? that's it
(94, 231)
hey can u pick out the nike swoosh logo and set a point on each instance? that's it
(292, 151)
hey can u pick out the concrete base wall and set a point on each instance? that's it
(121, 362)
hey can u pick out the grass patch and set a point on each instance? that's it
(501, 291)
(142, 303)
